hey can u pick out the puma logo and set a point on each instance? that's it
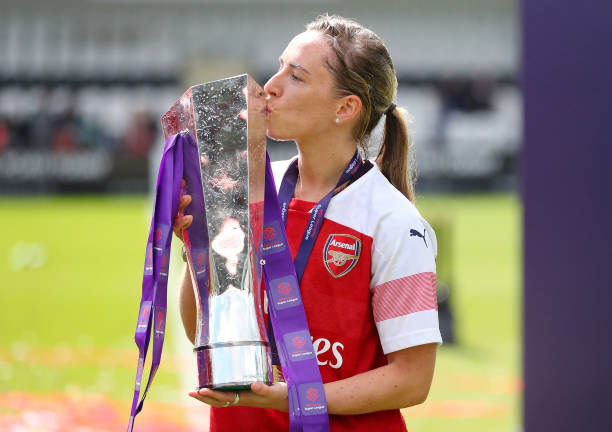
(415, 233)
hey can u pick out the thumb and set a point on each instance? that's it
(261, 389)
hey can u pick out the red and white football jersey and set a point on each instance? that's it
(369, 289)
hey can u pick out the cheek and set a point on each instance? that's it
(302, 113)
(309, 108)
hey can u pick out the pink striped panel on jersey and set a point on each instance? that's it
(405, 296)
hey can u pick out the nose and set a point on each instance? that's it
(272, 87)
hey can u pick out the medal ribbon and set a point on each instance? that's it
(179, 160)
(293, 344)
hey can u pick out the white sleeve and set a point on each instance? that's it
(403, 282)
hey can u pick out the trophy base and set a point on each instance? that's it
(233, 365)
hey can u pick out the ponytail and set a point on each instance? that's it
(394, 154)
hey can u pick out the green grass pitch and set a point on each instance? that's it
(70, 275)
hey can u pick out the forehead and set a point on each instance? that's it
(309, 49)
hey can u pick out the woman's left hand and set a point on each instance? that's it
(260, 396)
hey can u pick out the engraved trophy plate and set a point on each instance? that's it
(228, 121)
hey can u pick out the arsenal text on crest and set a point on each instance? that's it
(341, 253)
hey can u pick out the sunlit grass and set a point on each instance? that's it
(477, 385)
(70, 274)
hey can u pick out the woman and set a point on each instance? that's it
(369, 285)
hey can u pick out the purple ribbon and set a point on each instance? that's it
(293, 344)
(179, 160)
(285, 194)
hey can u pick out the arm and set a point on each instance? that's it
(403, 382)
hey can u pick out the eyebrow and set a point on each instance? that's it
(295, 65)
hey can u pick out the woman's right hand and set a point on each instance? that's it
(182, 221)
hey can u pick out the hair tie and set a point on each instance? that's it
(390, 109)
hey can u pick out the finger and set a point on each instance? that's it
(185, 221)
(209, 401)
(184, 202)
(177, 232)
(183, 183)
(261, 389)
(181, 223)
(176, 227)
(265, 396)
(221, 397)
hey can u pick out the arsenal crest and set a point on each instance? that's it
(341, 253)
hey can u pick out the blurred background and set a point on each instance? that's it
(82, 87)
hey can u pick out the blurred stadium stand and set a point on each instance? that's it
(83, 84)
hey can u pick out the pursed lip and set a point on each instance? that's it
(266, 110)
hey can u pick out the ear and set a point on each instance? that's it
(349, 108)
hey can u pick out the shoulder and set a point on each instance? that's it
(376, 208)
(403, 267)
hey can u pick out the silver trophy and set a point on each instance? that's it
(226, 117)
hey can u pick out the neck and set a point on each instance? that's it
(321, 165)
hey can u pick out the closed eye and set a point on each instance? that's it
(293, 66)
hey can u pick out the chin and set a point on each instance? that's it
(279, 135)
